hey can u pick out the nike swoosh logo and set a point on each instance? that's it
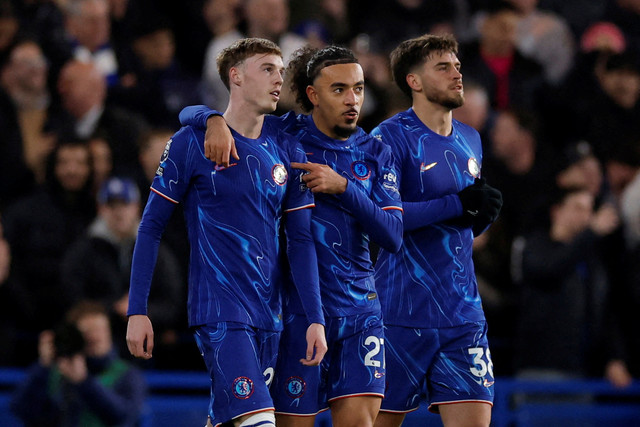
(424, 168)
(220, 168)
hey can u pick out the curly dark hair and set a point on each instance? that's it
(307, 62)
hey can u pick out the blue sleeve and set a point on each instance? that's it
(384, 226)
(421, 214)
(114, 406)
(154, 220)
(303, 261)
(197, 115)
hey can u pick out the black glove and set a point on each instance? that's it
(490, 211)
(481, 203)
(473, 198)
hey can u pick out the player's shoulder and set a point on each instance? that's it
(465, 128)
(372, 143)
(395, 123)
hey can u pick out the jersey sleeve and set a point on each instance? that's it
(421, 213)
(196, 116)
(303, 262)
(298, 195)
(381, 214)
(168, 187)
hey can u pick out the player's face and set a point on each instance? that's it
(440, 81)
(261, 81)
(337, 95)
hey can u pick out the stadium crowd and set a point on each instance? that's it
(92, 89)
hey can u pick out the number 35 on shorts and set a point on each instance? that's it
(481, 362)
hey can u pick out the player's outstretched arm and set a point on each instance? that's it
(316, 345)
(140, 336)
(219, 144)
(383, 226)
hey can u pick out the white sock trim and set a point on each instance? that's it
(261, 419)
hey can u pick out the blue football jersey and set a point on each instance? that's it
(340, 222)
(430, 282)
(233, 217)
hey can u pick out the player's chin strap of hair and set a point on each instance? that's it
(261, 419)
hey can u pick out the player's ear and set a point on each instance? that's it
(235, 76)
(414, 82)
(312, 95)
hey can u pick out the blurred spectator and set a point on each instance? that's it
(626, 15)
(223, 18)
(579, 167)
(39, 228)
(390, 22)
(97, 266)
(9, 26)
(610, 120)
(494, 61)
(565, 293)
(567, 110)
(476, 111)
(102, 161)
(24, 99)
(546, 38)
(268, 19)
(518, 158)
(579, 14)
(24, 78)
(84, 113)
(323, 22)
(159, 87)
(88, 27)
(79, 379)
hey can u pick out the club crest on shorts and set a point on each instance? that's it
(279, 174)
(360, 170)
(296, 387)
(474, 167)
(242, 387)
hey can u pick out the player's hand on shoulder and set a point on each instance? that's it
(140, 336)
(316, 345)
(219, 144)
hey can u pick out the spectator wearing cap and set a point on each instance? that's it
(98, 265)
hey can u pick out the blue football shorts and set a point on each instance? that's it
(353, 366)
(241, 362)
(450, 365)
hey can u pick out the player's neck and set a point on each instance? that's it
(243, 121)
(434, 116)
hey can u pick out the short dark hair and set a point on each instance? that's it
(414, 52)
(240, 50)
(307, 62)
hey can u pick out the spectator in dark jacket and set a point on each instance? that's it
(79, 379)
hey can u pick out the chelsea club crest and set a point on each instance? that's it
(242, 387)
(360, 170)
(279, 174)
(295, 387)
(474, 167)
